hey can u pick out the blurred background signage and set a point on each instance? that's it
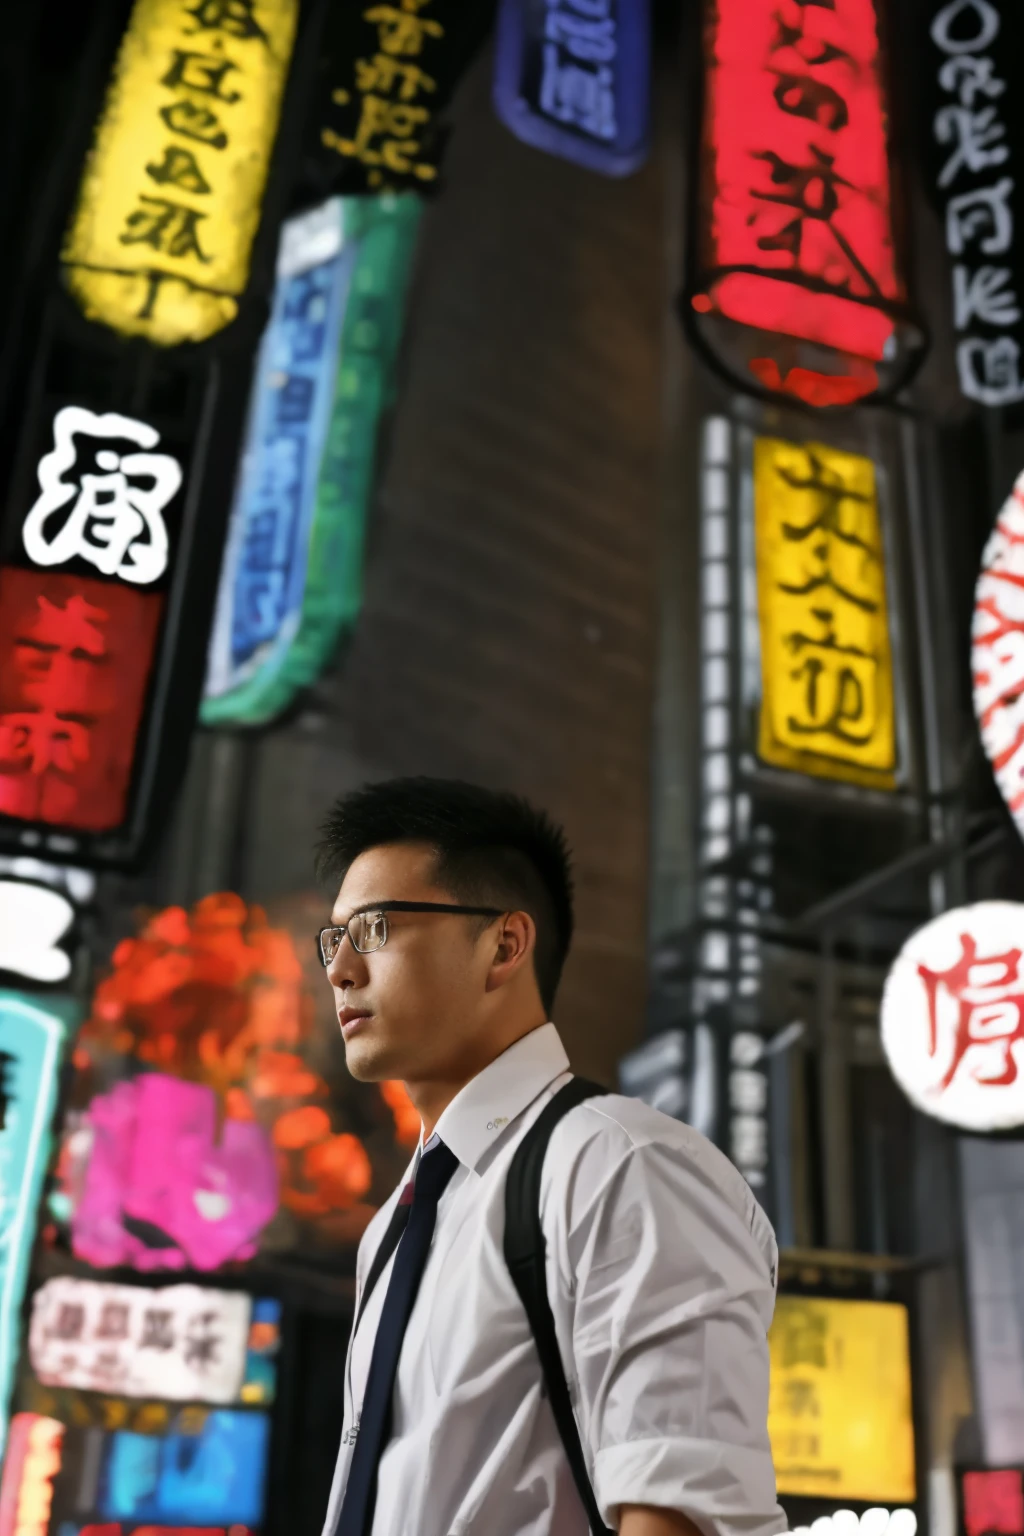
(976, 128)
(796, 282)
(291, 581)
(171, 196)
(826, 660)
(387, 77)
(839, 1412)
(953, 1017)
(572, 77)
(32, 1040)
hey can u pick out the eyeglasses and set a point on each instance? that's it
(369, 930)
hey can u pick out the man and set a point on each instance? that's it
(446, 943)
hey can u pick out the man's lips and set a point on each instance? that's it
(351, 1018)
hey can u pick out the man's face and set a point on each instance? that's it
(424, 995)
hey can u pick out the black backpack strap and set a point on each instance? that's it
(524, 1255)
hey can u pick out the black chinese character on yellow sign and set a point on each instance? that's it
(828, 705)
(170, 201)
(839, 1408)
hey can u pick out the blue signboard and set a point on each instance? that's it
(215, 1476)
(32, 1036)
(264, 571)
(291, 578)
(573, 77)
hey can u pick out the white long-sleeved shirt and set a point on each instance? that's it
(661, 1277)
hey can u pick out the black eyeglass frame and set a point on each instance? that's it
(384, 907)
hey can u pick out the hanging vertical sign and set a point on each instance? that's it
(997, 652)
(796, 284)
(170, 200)
(85, 572)
(389, 73)
(292, 573)
(573, 77)
(828, 706)
(32, 1036)
(976, 126)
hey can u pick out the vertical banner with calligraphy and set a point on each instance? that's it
(292, 575)
(573, 77)
(33, 1032)
(796, 284)
(828, 697)
(170, 201)
(387, 78)
(977, 126)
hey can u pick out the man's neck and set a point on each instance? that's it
(431, 1096)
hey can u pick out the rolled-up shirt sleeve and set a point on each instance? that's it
(668, 1286)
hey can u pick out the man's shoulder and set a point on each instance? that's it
(613, 1130)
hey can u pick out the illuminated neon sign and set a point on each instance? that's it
(573, 77)
(388, 75)
(31, 1043)
(796, 283)
(952, 1019)
(826, 657)
(171, 195)
(292, 575)
(840, 1419)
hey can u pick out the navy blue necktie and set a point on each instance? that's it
(436, 1167)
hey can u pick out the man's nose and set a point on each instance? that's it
(348, 968)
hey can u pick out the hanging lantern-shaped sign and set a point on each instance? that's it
(795, 279)
(952, 1018)
(170, 200)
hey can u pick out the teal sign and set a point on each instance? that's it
(32, 1036)
(291, 582)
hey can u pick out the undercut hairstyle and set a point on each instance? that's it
(493, 850)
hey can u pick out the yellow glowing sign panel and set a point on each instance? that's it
(839, 1411)
(826, 659)
(170, 200)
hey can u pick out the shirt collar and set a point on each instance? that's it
(479, 1113)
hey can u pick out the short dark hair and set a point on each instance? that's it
(493, 849)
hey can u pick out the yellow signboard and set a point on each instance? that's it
(170, 200)
(839, 1407)
(826, 659)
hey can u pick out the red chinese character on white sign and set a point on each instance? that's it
(953, 1017)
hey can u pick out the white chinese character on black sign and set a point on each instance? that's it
(113, 519)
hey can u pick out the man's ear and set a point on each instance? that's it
(516, 939)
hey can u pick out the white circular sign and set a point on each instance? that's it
(953, 1017)
(997, 652)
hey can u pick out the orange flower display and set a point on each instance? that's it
(215, 995)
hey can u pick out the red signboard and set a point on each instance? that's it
(993, 1502)
(75, 658)
(796, 234)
